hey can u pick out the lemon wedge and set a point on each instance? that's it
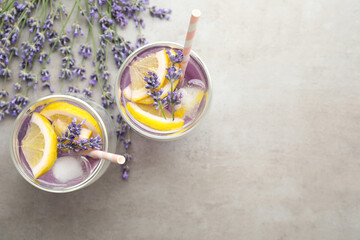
(157, 63)
(190, 102)
(66, 112)
(39, 145)
(149, 116)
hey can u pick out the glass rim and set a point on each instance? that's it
(180, 132)
(87, 107)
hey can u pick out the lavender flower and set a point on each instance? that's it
(72, 89)
(4, 58)
(15, 34)
(66, 50)
(68, 61)
(80, 71)
(140, 42)
(105, 75)
(5, 72)
(27, 77)
(33, 24)
(14, 50)
(101, 2)
(94, 12)
(160, 13)
(54, 40)
(7, 17)
(45, 75)
(127, 143)
(17, 87)
(48, 86)
(87, 92)
(65, 73)
(109, 35)
(39, 40)
(93, 79)
(70, 141)
(76, 30)
(42, 57)
(28, 53)
(64, 40)
(4, 93)
(173, 98)
(107, 100)
(105, 22)
(177, 58)
(85, 50)
(172, 101)
(48, 24)
(172, 74)
(14, 106)
(152, 83)
(125, 174)
(118, 15)
(121, 52)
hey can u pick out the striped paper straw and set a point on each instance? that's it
(119, 159)
(195, 15)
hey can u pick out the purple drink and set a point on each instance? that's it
(196, 87)
(70, 171)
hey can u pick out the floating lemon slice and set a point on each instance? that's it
(39, 145)
(60, 128)
(157, 63)
(66, 112)
(166, 88)
(149, 116)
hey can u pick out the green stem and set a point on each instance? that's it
(162, 111)
(4, 82)
(172, 105)
(8, 6)
(91, 29)
(37, 7)
(78, 14)
(58, 38)
(45, 8)
(17, 23)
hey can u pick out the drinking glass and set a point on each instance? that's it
(92, 169)
(196, 69)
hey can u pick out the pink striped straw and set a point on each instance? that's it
(195, 15)
(119, 159)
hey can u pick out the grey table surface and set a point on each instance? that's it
(276, 157)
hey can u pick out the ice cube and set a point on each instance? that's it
(190, 102)
(70, 167)
(196, 83)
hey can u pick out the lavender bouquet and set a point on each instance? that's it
(32, 31)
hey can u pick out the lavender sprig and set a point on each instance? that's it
(173, 74)
(177, 57)
(152, 83)
(123, 135)
(70, 142)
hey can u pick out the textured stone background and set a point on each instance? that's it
(276, 157)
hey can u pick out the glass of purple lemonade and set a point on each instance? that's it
(154, 119)
(70, 171)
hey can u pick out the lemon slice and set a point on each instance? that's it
(149, 116)
(157, 63)
(66, 112)
(39, 145)
(166, 88)
(60, 127)
(190, 102)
